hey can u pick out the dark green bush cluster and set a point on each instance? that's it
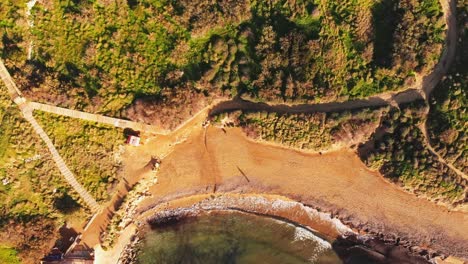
(400, 154)
(225, 60)
(88, 149)
(314, 131)
(13, 32)
(448, 116)
(400, 43)
(448, 120)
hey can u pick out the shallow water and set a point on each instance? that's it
(234, 238)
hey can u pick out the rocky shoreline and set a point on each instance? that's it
(352, 246)
(130, 252)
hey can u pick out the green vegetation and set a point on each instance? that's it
(32, 191)
(448, 116)
(108, 50)
(135, 55)
(35, 199)
(448, 120)
(399, 153)
(314, 131)
(88, 148)
(13, 33)
(399, 40)
(8, 255)
(161, 60)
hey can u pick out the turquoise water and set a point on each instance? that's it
(234, 238)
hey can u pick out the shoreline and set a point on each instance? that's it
(347, 243)
(208, 163)
(211, 162)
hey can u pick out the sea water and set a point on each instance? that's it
(233, 238)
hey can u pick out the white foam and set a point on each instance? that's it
(302, 234)
(312, 213)
(251, 203)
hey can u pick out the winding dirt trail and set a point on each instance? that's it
(424, 130)
(446, 60)
(391, 98)
(449, 8)
(61, 165)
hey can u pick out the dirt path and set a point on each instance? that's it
(423, 128)
(91, 235)
(63, 168)
(449, 8)
(431, 81)
(27, 114)
(97, 118)
(393, 98)
(336, 182)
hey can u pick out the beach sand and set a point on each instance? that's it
(199, 162)
(214, 161)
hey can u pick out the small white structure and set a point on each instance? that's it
(133, 140)
(5, 181)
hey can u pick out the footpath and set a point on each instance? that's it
(27, 113)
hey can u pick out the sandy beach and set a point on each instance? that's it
(214, 162)
(201, 163)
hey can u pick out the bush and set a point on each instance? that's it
(8, 255)
(311, 131)
(293, 51)
(400, 154)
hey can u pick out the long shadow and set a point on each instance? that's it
(352, 250)
(66, 239)
(385, 19)
(244, 105)
(237, 103)
(243, 174)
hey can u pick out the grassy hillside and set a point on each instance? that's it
(34, 198)
(89, 149)
(8, 255)
(138, 58)
(448, 116)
